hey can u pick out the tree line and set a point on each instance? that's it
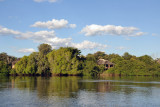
(62, 61)
(69, 61)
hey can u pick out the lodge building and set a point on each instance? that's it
(106, 63)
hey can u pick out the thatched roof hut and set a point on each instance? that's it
(103, 61)
(106, 63)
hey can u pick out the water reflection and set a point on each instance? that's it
(80, 91)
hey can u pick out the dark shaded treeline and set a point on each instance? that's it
(69, 61)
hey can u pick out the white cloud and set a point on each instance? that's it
(90, 45)
(5, 31)
(59, 42)
(138, 34)
(39, 36)
(49, 37)
(93, 30)
(122, 48)
(72, 25)
(51, 1)
(54, 24)
(29, 50)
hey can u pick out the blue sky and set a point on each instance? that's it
(112, 26)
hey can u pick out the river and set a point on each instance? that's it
(79, 91)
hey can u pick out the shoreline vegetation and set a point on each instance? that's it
(68, 61)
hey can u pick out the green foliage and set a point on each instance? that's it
(35, 63)
(91, 68)
(132, 65)
(65, 61)
(99, 55)
(69, 61)
(112, 56)
(127, 56)
(12, 72)
(5, 63)
(6, 58)
(44, 49)
(21, 65)
(146, 59)
(43, 65)
(32, 66)
(3, 68)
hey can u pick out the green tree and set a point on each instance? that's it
(32, 64)
(21, 65)
(112, 56)
(127, 56)
(44, 49)
(3, 68)
(99, 55)
(147, 59)
(65, 61)
(43, 65)
(6, 58)
(91, 68)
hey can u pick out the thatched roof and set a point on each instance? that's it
(103, 61)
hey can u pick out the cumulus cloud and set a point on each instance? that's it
(89, 45)
(138, 34)
(37, 36)
(51, 1)
(5, 31)
(54, 24)
(59, 42)
(49, 37)
(29, 50)
(93, 30)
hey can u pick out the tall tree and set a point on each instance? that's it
(127, 56)
(21, 65)
(43, 64)
(65, 61)
(32, 64)
(3, 68)
(44, 49)
(99, 55)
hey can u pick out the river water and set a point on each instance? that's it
(79, 92)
